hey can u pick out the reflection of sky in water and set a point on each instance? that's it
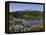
(34, 22)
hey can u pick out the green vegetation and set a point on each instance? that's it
(15, 24)
(28, 15)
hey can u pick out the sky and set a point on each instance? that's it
(19, 6)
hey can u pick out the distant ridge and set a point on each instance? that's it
(26, 10)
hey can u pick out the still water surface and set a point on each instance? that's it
(31, 22)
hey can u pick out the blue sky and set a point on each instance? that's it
(19, 6)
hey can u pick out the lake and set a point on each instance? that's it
(31, 22)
